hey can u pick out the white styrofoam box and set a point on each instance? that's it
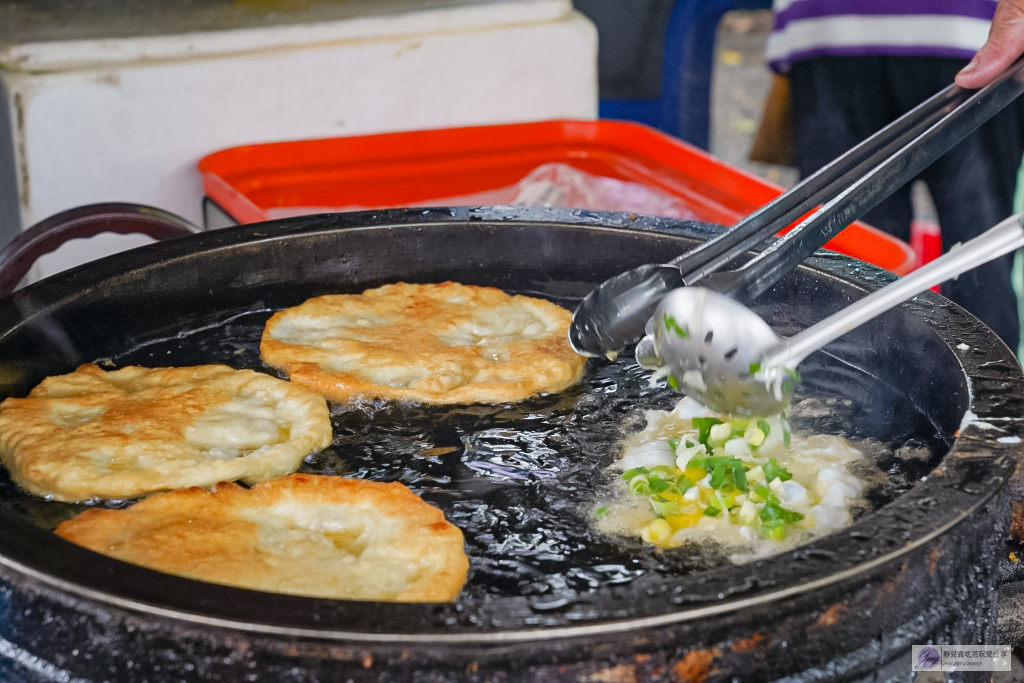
(127, 119)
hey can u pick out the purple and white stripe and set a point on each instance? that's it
(937, 28)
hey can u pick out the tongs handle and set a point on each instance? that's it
(771, 265)
(825, 183)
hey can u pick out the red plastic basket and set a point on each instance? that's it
(398, 169)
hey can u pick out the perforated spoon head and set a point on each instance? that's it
(711, 346)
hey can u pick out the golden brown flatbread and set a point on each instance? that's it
(436, 343)
(319, 536)
(125, 433)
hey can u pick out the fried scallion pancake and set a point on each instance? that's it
(318, 536)
(436, 343)
(95, 434)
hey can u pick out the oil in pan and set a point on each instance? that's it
(520, 480)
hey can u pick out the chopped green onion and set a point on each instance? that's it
(719, 434)
(773, 470)
(663, 507)
(773, 512)
(706, 463)
(718, 476)
(673, 443)
(703, 426)
(672, 326)
(755, 367)
(793, 374)
(764, 427)
(775, 518)
(684, 484)
(600, 512)
(739, 478)
(747, 513)
(711, 511)
(725, 470)
(629, 474)
(775, 531)
(658, 485)
(754, 436)
(640, 485)
(785, 436)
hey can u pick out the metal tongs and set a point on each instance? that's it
(615, 313)
(730, 360)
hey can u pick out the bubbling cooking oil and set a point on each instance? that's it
(746, 485)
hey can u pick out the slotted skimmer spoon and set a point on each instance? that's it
(614, 314)
(723, 354)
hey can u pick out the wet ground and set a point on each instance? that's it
(740, 82)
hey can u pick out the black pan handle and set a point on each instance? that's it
(84, 221)
(782, 257)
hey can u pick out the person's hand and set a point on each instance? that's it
(1005, 43)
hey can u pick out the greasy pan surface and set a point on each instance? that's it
(521, 480)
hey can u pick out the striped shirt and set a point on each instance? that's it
(935, 28)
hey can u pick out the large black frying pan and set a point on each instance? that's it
(548, 598)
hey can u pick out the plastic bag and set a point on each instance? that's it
(555, 185)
